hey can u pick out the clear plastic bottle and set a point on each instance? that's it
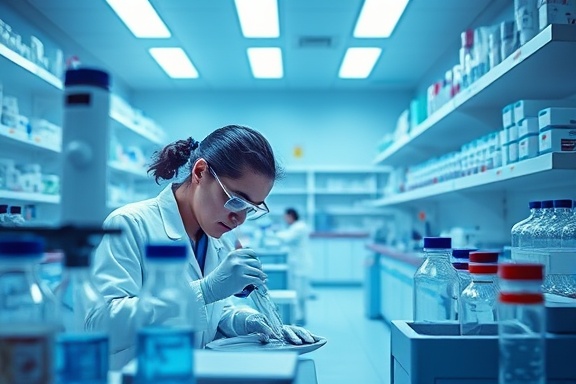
(562, 216)
(479, 298)
(436, 283)
(82, 346)
(535, 213)
(568, 237)
(166, 311)
(27, 322)
(536, 228)
(568, 243)
(521, 325)
(556, 283)
(460, 259)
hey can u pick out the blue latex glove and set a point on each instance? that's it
(258, 323)
(240, 268)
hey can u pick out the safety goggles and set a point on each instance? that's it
(237, 204)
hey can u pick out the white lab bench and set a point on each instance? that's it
(214, 367)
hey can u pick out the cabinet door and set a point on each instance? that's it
(358, 258)
(339, 260)
(318, 249)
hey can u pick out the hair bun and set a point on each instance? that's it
(193, 144)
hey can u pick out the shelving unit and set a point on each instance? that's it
(26, 74)
(330, 199)
(12, 137)
(494, 200)
(551, 169)
(540, 69)
(34, 86)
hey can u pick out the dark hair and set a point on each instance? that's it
(292, 212)
(228, 150)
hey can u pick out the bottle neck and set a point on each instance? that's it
(535, 212)
(435, 253)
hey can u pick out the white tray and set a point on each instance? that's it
(251, 343)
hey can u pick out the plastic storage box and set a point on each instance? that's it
(437, 353)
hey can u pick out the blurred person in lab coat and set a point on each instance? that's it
(230, 174)
(296, 238)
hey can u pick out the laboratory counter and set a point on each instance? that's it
(389, 282)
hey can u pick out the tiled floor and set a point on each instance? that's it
(358, 349)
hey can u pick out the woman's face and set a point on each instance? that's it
(210, 197)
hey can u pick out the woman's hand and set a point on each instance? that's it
(240, 268)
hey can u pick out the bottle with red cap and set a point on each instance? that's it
(479, 298)
(522, 324)
(436, 283)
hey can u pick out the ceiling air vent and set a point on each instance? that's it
(315, 42)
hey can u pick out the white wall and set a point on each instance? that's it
(333, 128)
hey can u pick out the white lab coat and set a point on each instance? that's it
(296, 238)
(119, 271)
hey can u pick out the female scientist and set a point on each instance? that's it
(230, 174)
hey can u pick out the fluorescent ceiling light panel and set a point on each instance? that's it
(359, 62)
(140, 18)
(174, 62)
(378, 18)
(266, 63)
(258, 18)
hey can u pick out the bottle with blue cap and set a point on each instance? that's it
(27, 322)
(82, 346)
(535, 213)
(436, 283)
(460, 259)
(166, 318)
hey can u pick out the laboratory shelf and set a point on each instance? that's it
(541, 69)
(127, 169)
(123, 121)
(545, 171)
(19, 139)
(29, 197)
(26, 73)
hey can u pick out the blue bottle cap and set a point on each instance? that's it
(28, 246)
(535, 204)
(462, 253)
(87, 76)
(548, 204)
(166, 251)
(438, 242)
(563, 203)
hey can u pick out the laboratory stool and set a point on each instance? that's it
(286, 301)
